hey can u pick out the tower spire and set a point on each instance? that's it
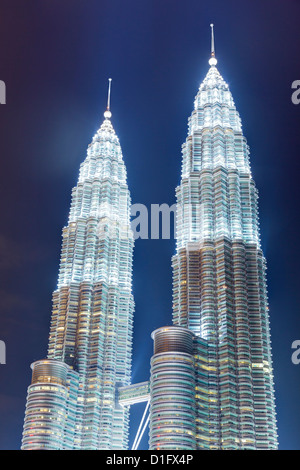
(212, 60)
(107, 113)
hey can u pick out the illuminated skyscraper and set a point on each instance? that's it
(219, 283)
(72, 400)
(211, 379)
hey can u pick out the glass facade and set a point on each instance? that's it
(92, 316)
(172, 391)
(50, 420)
(211, 379)
(219, 276)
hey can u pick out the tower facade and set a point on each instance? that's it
(72, 401)
(211, 379)
(172, 390)
(219, 273)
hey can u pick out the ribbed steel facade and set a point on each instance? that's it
(92, 316)
(219, 274)
(172, 391)
(211, 381)
(51, 409)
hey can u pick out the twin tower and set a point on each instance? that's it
(211, 379)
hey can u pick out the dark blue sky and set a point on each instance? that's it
(55, 58)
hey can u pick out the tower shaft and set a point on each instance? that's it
(91, 325)
(219, 271)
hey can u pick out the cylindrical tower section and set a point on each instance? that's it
(46, 406)
(172, 382)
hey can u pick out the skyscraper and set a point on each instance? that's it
(72, 402)
(211, 378)
(219, 274)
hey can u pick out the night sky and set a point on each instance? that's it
(55, 59)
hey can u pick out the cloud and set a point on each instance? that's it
(15, 254)
(11, 302)
(10, 254)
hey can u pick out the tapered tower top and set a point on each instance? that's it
(212, 61)
(106, 130)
